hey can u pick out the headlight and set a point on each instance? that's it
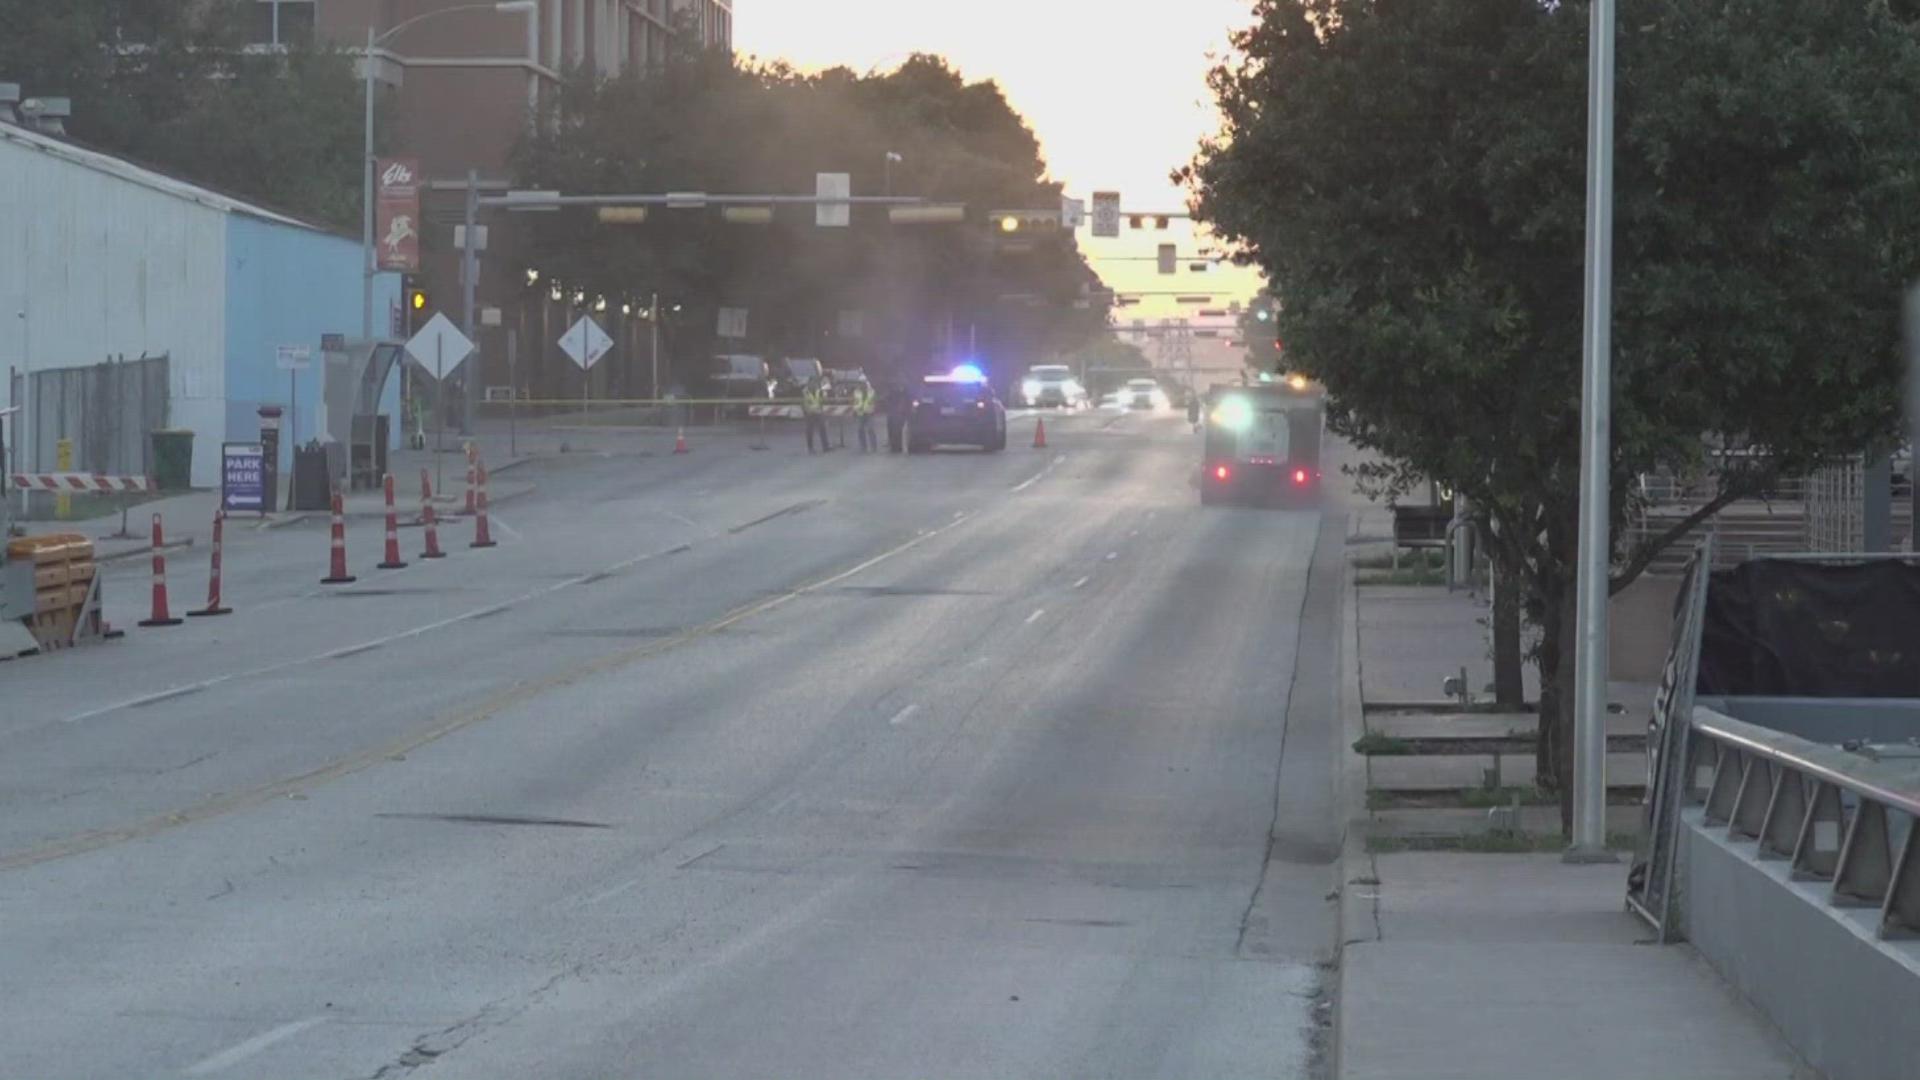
(1030, 388)
(1234, 414)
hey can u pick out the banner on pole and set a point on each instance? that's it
(396, 204)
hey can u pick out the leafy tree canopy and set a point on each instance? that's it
(172, 84)
(708, 122)
(1410, 174)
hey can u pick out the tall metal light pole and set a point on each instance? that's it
(368, 266)
(1596, 460)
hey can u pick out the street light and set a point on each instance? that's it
(369, 267)
(1596, 456)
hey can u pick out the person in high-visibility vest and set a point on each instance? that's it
(863, 403)
(813, 403)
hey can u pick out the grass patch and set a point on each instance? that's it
(1401, 577)
(1375, 744)
(1489, 843)
(1417, 559)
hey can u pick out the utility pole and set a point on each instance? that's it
(1596, 459)
(469, 279)
(653, 351)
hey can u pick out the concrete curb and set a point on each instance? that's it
(140, 552)
(406, 514)
(1357, 921)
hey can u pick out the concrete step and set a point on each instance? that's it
(1452, 772)
(1428, 725)
(1410, 823)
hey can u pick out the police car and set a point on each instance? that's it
(1262, 445)
(956, 409)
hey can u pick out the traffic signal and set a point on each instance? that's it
(416, 305)
(1026, 222)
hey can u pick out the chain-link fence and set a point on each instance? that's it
(1836, 507)
(106, 409)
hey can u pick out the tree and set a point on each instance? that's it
(1410, 176)
(173, 85)
(707, 122)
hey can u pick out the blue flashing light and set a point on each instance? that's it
(968, 373)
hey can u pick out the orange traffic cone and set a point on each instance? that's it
(337, 559)
(214, 606)
(427, 518)
(393, 561)
(161, 616)
(680, 442)
(1040, 433)
(482, 528)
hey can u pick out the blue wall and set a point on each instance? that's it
(288, 286)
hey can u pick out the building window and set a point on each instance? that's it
(281, 22)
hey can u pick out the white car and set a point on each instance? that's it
(1144, 394)
(1052, 385)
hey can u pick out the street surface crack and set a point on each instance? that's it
(500, 819)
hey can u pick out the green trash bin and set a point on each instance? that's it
(172, 459)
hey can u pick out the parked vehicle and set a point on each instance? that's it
(740, 375)
(792, 374)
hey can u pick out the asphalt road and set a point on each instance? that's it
(727, 765)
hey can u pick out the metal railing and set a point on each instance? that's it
(1838, 817)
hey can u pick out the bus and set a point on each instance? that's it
(1262, 445)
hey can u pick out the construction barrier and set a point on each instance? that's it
(84, 482)
(214, 606)
(160, 616)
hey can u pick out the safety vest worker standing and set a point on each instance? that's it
(813, 403)
(863, 403)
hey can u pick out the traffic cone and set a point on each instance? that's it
(473, 467)
(680, 442)
(160, 617)
(214, 607)
(1040, 433)
(428, 518)
(393, 560)
(337, 566)
(482, 535)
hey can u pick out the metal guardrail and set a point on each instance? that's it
(1837, 816)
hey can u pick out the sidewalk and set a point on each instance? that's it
(1464, 964)
(188, 516)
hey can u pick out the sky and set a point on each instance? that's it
(1114, 89)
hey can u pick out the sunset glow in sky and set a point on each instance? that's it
(1115, 90)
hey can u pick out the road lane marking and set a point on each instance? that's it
(901, 716)
(447, 723)
(1083, 581)
(1035, 617)
(681, 518)
(344, 651)
(1112, 555)
(1133, 533)
(1039, 476)
(497, 523)
(239, 1052)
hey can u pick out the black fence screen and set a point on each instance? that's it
(1785, 628)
